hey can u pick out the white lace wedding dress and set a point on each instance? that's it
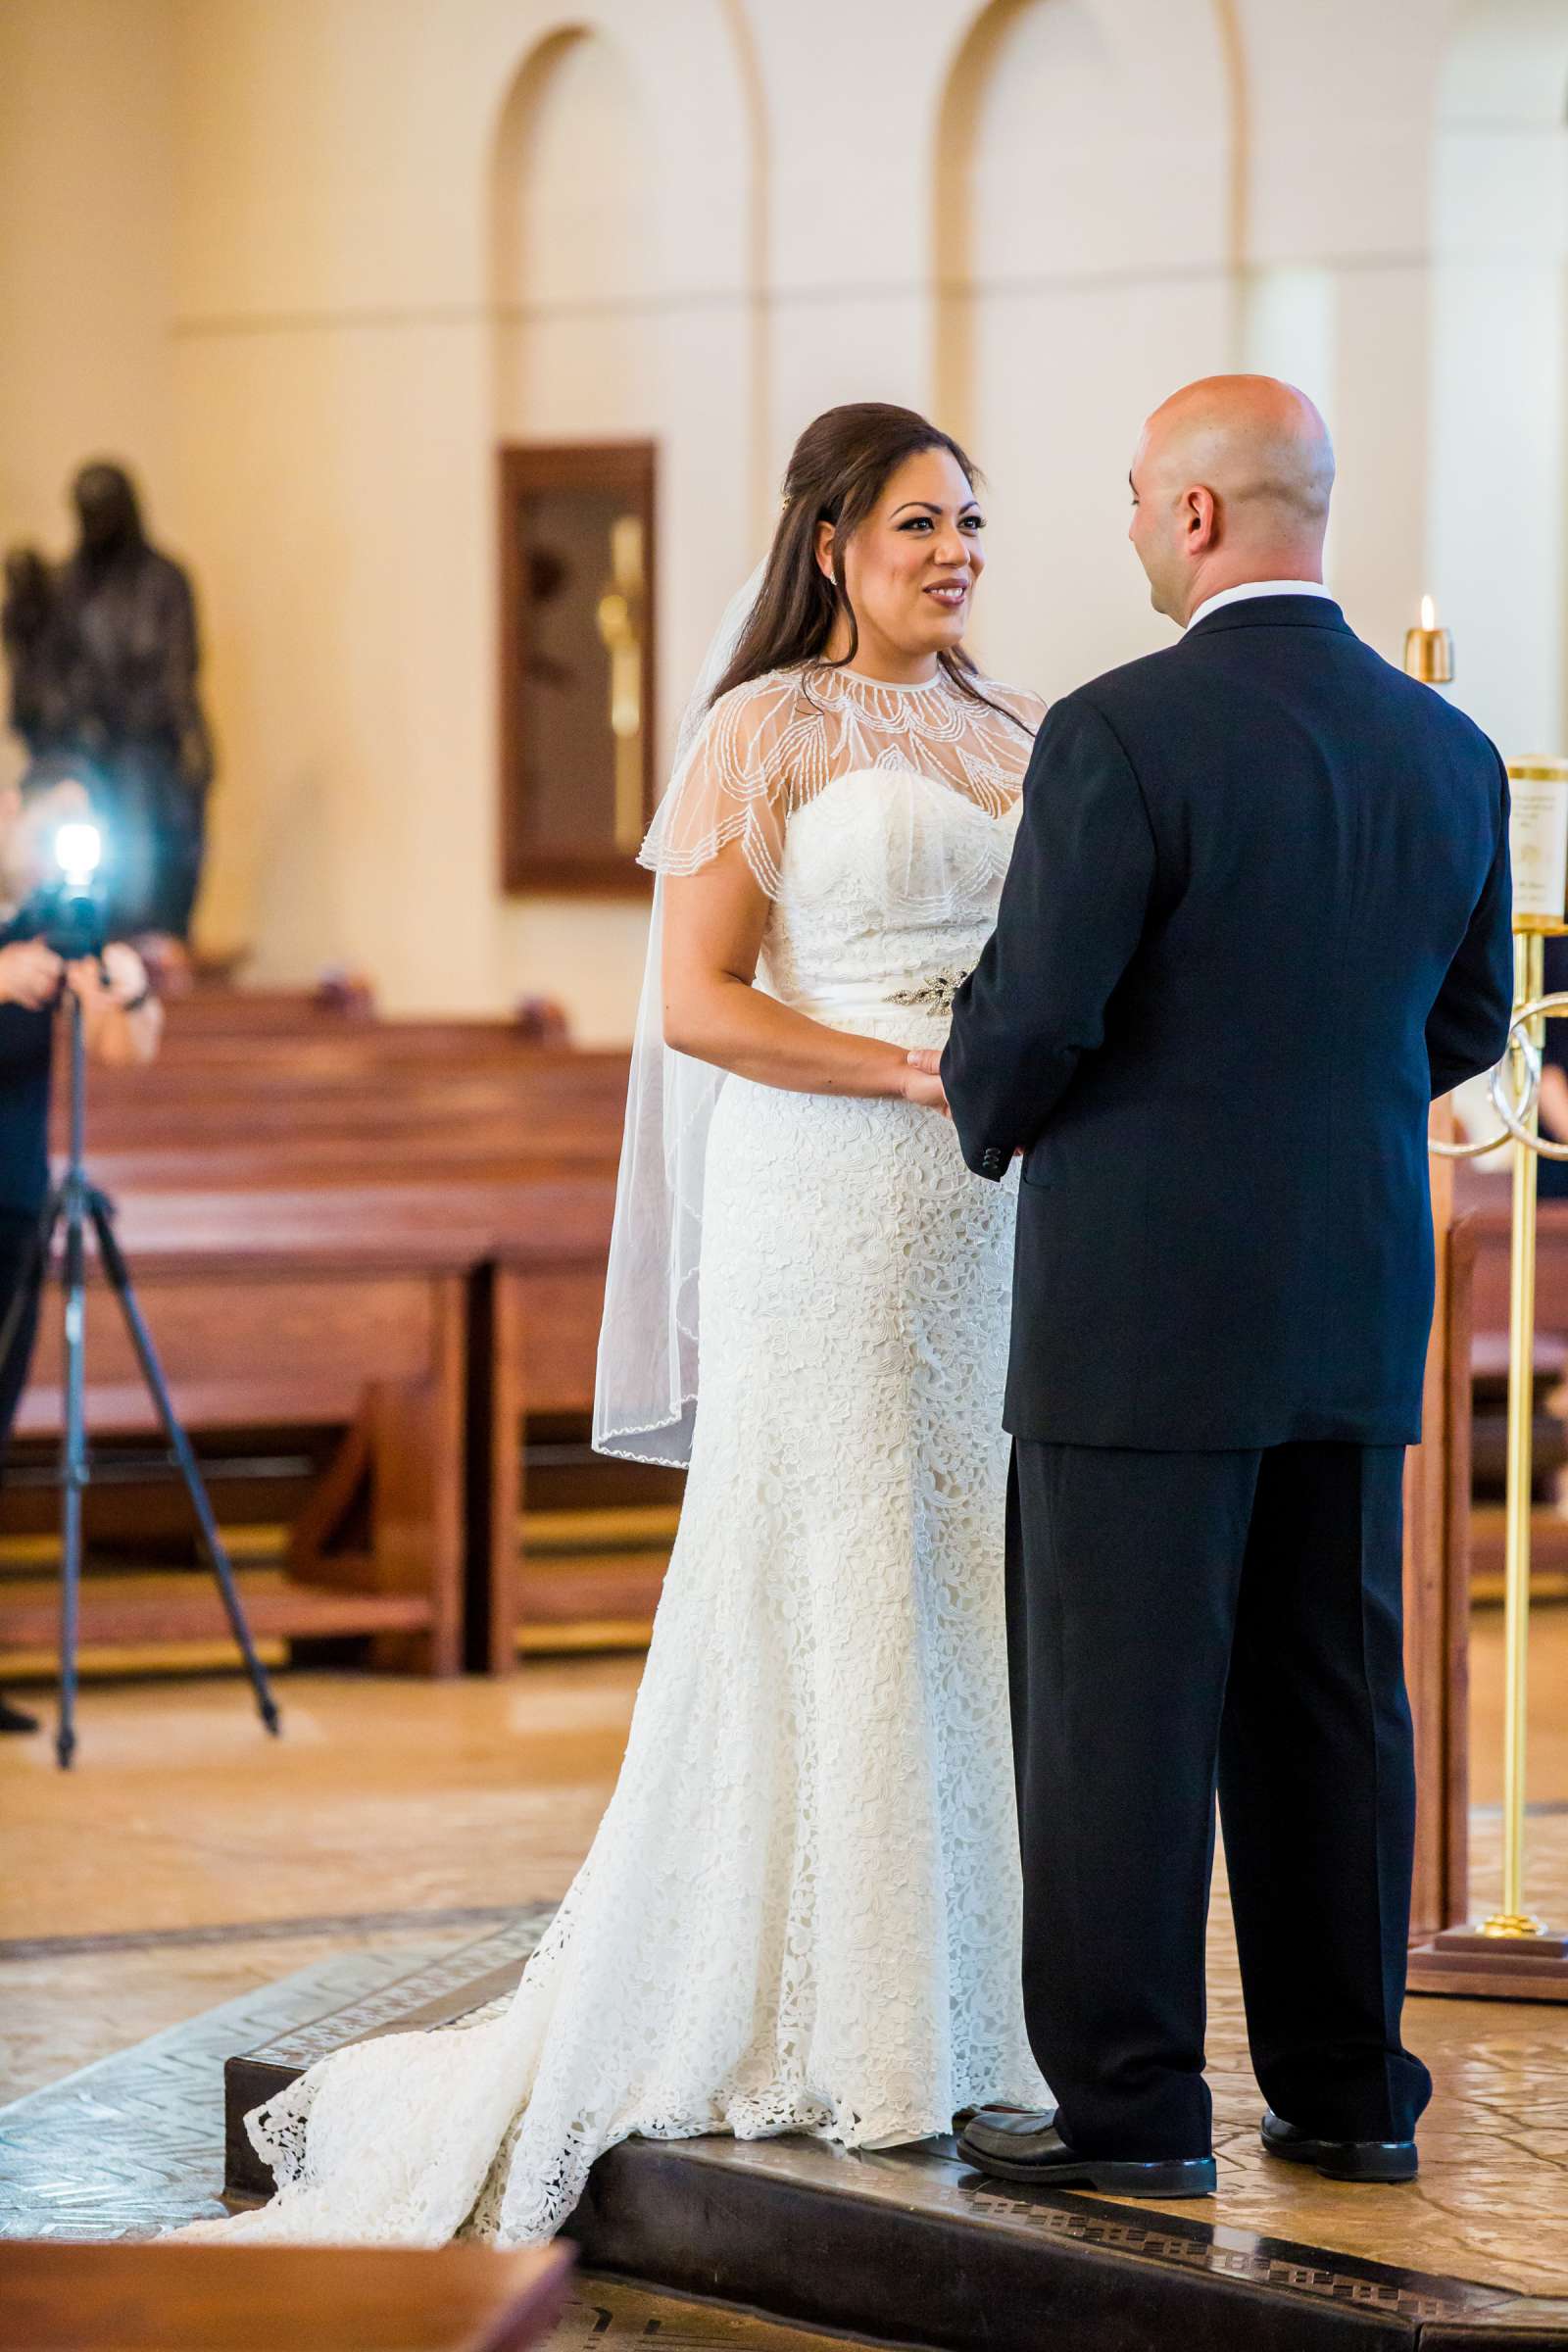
(802, 1908)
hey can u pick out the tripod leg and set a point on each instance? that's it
(72, 1475)
(152, 1371)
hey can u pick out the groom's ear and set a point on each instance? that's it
(1200, 519)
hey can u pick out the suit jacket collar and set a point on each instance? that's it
(1273, 613)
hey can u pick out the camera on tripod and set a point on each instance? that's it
(66, 911)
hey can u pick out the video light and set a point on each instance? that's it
(78, 850)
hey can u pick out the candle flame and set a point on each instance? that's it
(1428, 613)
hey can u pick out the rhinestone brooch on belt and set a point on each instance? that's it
(935, 992)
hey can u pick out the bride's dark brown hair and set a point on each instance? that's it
(838, 470)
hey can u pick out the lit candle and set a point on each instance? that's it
(1429, 650)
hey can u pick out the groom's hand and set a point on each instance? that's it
(924, 1083)
(923, 1080)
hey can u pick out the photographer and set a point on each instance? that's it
(121, 1022)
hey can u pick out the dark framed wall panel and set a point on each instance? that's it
(578, 660)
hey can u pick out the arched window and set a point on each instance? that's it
(571, 234)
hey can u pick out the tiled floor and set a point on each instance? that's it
(389, 1803)
(132, 2144)
(1492, 2202)
(180, 1816)
(180, 1812)
(63, 2011)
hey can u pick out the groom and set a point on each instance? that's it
(1257, 918)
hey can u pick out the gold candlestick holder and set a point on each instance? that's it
(1429, 650)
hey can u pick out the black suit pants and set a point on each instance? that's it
(1181, 1623)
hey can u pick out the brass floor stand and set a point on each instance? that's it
(1510, 1956)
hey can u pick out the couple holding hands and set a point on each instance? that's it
(1023, 1232)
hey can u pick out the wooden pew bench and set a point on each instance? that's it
(171, 2298)
(426, 1321)
(336, 1309)
(538, 1322)
(316, 1214)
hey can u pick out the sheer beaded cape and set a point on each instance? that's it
(766, 752)
(770, 747)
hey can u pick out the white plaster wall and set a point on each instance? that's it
(1339, 105)
(1083, 237)
(1498, 550)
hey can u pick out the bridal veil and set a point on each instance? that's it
(646, 1389)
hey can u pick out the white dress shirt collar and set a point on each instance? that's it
(1236, 596)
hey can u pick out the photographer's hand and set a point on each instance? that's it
(121, 1019)
(124, 972)
(29, 974)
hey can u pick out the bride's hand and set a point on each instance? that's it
(922, 1081)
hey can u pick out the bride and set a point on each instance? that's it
(801, 1912)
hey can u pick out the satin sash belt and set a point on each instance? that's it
(847, 998)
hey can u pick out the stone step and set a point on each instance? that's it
(909, 2246)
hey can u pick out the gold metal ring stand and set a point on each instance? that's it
(1510, 1955)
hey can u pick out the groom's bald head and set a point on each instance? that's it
(1231, 482)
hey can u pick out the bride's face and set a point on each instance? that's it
(911, 566)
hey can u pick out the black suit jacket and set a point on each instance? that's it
(1257, 916)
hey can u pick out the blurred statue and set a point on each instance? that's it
(103, 657)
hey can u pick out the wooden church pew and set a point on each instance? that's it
(364, 1309)
(172, 2298)
(350, 1314)
(311, 1232)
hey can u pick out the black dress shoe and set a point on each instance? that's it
(15, 1719)
(1342, 2159)
(1018, 2147)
